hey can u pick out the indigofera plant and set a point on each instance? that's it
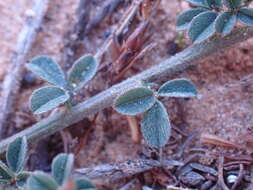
(12, 174)
(155, 124)
(13, 177)
(60, 176)
(62, 87)
(212, 16)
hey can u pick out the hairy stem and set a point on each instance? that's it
(105, 99)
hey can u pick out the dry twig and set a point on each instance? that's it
(217, 141)
(239, 178)
(116, 171)
(125, 21)
(220, 175)
(77, 32)
(186, 144)
(103, 13)
(134, 127)
(12, 79)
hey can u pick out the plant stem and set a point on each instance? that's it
(161, 156)
(106, 98)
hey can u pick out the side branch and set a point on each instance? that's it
(105, 99)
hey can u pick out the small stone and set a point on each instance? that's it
(231, 179)
(30, 13)
(192, 179)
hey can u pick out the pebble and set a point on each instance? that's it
(192, 179)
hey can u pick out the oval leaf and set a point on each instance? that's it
(214, 3)
(233, 4)
(184, 20)
(199, 3)
(22, 178)
(61, 167)
(47, 98)
(84, 184)
(16, 154)
(178, 88)
(5, 173)
(245, 15)
(135, 101)
(83, 70)
(46, 68)
(202, 26)
(41, 181)
(225, 23)
(155, 125)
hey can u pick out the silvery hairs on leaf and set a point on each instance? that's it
(16, 154)
(5, 173)
(84, 184)
(214, 3)
(178, 88)
(225, 22)
(48, 69)
(135, 101)
(245, 16)
(41, 181)
(155, 125)
(47, 98)
(61, 167)
(83, 70)
(202, 26)
(199, 3)
(184, 19)
(233, 4)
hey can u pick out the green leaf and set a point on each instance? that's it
(214, 3)
(245, 15)
(202, 26)
(178, 88)
(155, 125)
(5, 173)
(225, 22)
(47, 98)
(22, 178)
(233, 4)
(46, 68)
(83, 70)
(84, 184)
(41, 181)
(184, 20)
(61, 167)
(135, 101)
(199, 3)
(16, 154)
